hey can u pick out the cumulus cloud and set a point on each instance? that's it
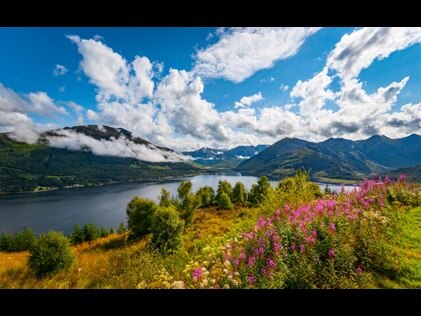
(284, 87)
(357, 51)
(240, 52)
(14, 109)
(121, 147)
(60, 70)
(247, 101)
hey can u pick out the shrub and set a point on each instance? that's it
(90, 232)
(23, 240)
(206, 196)
(139, 216)
(239, 194)
(164, 198)
(223, 187)
(167, 230)
(184, 189)
(259, 191)
(6, 242)
(50, 254)
(121, 228)
(103, 232)
(77, 237)
(224, 202)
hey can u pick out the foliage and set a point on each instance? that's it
(188, 202)
(21, 241)
(90, 232)
(224, 202)
(164, 198)
(223, 187)
(139, 216)
(259, 191)
(239, 194)
(121, 228)
(50, 254)
(206, 196)
(167, 229)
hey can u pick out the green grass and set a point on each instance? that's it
(408, 255)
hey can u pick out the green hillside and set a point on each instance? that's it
(25, 167)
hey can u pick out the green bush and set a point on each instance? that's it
(77, 237)
(224, 202)
(121, 228)
(164, 198)
(90, 232)
(223, 187)
(206, 196)
(6, 242)
(139, 216)
(50, 254)
(21, 241)
(167, 230)
(103, 232)
(259, 191)
(239, 194)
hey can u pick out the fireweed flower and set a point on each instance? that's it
(332, 227)
(360, 269)
(252, 279)
(197, 273)
(331, 254)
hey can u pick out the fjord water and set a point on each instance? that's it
(104, 206)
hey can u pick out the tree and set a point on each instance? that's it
(139, 216)
(188, 201)
(103, 232)
(239, 194)
(24, 240)
(121, 228)
(223, 187)
(167, 230)
(50, 254)
(259, 191)
(6, 242)
(205, 196)
(90, 232)
(184, 189)
(77, 236)
(224, 202)
(164, 198)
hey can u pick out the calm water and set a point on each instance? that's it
(104, 206)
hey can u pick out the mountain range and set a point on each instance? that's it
(95, 154)
(224, 158)
(81, 161)
(336, 157)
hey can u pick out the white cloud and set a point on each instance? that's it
(270, 79)
(247, 101)
(41, 103)
(74, 106)
(60, 70)
(121, 147)
(284, 87)
(356, 51)
(240, 52)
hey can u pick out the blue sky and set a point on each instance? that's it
(192, 87)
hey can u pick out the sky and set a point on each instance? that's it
(193, 87)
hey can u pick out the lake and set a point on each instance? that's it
(104, 206)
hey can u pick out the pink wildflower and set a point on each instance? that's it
(251, 262)
(302, 248)
(360, 269)
(251, 279)
(332, 227)
(197, 273)
(331, 254)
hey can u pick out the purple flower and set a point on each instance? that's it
(278, 212)
(271, 263)
(331, 254)
(302, 248)
(252, 260)
(197, 273)
(360, 269)
(252, 279)
(402, 177)
(332, 227)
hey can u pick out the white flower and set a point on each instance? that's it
(226, 286)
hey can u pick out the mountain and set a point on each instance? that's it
(413, 173)
(335, 157)
(224, 158)
(29, 167)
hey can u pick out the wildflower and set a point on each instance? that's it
(197, 273)
(332, 227)
(402, 178)
(251, 262)
(271, 263)
(263, 270)
(225, 271)
(178, 285)
(293, 247)
(360, 269)
(302, 248)
(205, 282)
(236, 262)
(278, 212)
(331, 254)
(242, 256)
(226, 286)
(251, 279)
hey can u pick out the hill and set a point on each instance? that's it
(224, 158)
(335, 157)
(34, 167)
